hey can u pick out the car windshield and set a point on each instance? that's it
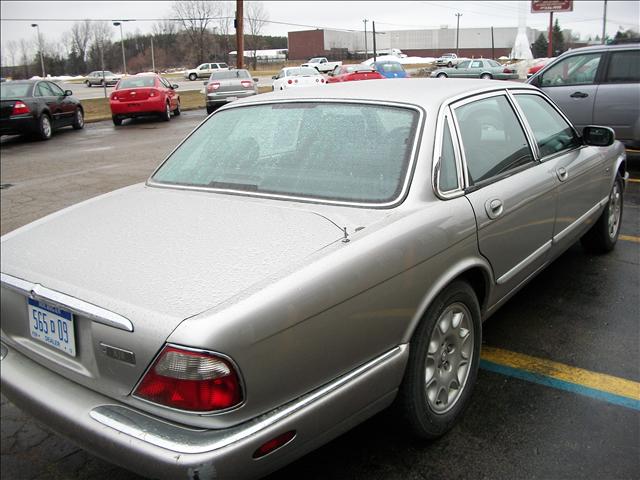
(229, 75)
(315, 60)
(106, 73)
(332, 151)
(14, 90)
(390, 67)
(137, 82)
(301, 71)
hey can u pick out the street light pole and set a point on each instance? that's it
(604, 23)
(124, 60)
(458, 33)
(153, 58)
(44, 75)
(366, 54)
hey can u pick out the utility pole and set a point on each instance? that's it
(458, 33)
(153, 59)
(604, 23)
(374, 40)
(40, 48)
(493, 50)
(550, 46)
(124, 60)
(365, 38)
(239, 35)
(104, 84)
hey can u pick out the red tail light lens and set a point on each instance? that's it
(20, 108)
(213, 86)
(322, 80)
(153, 93)
(274, 444)
(506, 70)
(247, 83)
(194, 381)
(114, 96)
(289, 81)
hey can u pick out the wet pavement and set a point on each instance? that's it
(582, 311)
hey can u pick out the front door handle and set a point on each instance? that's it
(494, 208)
(562, 174)
(579, 95)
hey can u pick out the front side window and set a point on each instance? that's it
(55, 89)
(43, 90)
(464, 64)
(494, 142)
(574, 70)
(624, 67)
(332, 151)
(476, 64)
(552, 133)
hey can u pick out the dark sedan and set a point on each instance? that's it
(37, 107)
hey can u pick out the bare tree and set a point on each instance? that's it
(80, 37)
(225, 26)
(26, 57)
(12, 52)
(256, 17)
(164, 28)
(195, 16)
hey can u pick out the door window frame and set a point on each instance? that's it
(445, 117)
(597, 78)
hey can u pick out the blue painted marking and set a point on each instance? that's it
(50, 308)
(560, 384)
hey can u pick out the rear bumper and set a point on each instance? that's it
(159, 449)
(18, 125)
(135, 108)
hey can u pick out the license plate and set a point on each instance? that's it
(133, 105)
(52, 325)
(231, 99)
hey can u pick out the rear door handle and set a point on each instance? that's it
(579, 95)
(494, 208)
(562, 174)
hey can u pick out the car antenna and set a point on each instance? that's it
(345, 239)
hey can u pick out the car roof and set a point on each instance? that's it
(599, 48)
(13, 82)
(429, 93)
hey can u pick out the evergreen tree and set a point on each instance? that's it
(540, 46)
(558, 39)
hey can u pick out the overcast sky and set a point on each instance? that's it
(586, 18)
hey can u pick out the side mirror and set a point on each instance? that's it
(174, 86)
(275, 77)
(206, 82)
(535, 81)
(68, 93)
(598, 136)
(256, 79)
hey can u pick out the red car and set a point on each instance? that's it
(348, 73)
(538, 66)
(141, 95)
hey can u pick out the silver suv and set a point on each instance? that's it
(227, 86)
(597, 85)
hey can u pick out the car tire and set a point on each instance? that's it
(449, 64)
(603, 235)
(441, 75)
(117, 120)
(78, 119)
(486, 76)
(166, 115)
(441, 359)
(88, 83)
(193, 76)
(177, 111)
(45, 128)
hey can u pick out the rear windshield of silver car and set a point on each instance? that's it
(230, 75)
(347, 152)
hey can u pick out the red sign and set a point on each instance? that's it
(543, 6)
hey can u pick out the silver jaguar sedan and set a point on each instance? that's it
(301, 261)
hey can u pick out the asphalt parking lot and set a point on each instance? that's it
(558, 394)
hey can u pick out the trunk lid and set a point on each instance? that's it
(132, 94)
(155, 256)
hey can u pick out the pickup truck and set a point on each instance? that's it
(448, 60)
(322, 64)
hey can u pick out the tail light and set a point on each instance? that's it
(114, 96)
(153, 93)
(20, 108)
(322, 80)
(506, 70)
(189, 380)
(213, 86)
(247, 83)
(289, 81)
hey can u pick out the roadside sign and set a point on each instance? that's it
(545, 6)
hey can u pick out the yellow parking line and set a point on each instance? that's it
(563, 373)
(629, 238)
(634, 180)
(632, 150)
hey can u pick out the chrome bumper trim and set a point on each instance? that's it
(192, 441)
(38, 292)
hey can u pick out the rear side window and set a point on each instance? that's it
(230, 74)
(448, 174)
(494, 142)
(574, 70)
(624, 67)
(552, 133)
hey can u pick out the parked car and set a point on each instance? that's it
(102, 78)
(390, 69)
(269, 287)
(205, 70)
(142, 95)
(349, 73)
(597, 85)
(223, 87)
(292, 77)
(448, 60)
(538, 66)
(481, 68)
(322, 65)
(37, 107)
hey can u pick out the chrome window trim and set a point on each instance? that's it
(143, 427)
(445, 118)
(398, 199)
(575, 224)
(39, 292)
(513, 92)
